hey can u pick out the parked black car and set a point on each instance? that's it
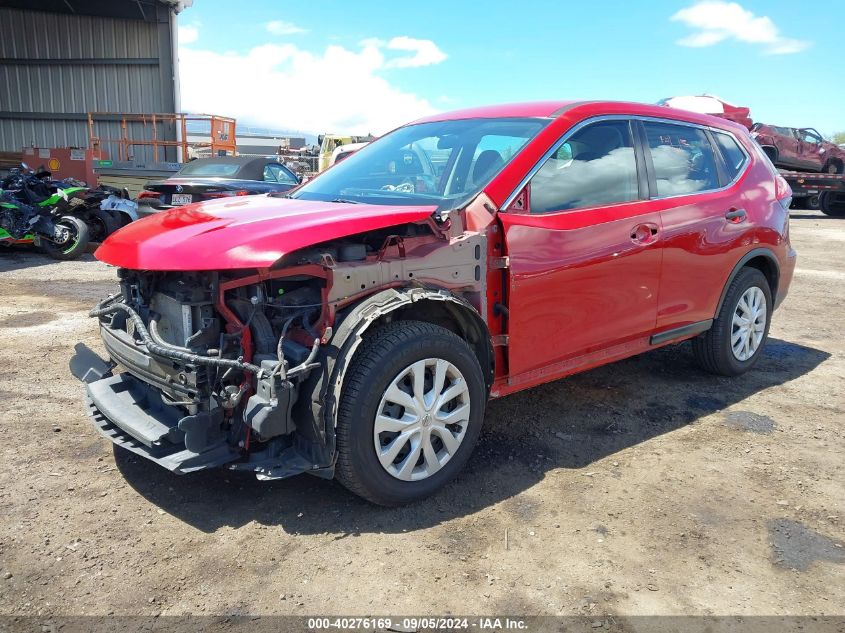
(218, 177)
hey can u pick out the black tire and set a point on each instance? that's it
(812, 202)
(832, 204)
(379, 360)
(712, 349)
(76, 245)
(102, 224)
(832, 167)
(124, 219)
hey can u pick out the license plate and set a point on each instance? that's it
(180, 198)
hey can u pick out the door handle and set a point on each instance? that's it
(644, 234)
(735, 216)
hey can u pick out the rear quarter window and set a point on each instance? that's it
(732, 153)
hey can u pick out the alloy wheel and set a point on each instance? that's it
(422, 419)
(748, 324)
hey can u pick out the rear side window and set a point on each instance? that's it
(683, 159)
(731, 152)
(277, 173)
(210, 168)
(594, 167)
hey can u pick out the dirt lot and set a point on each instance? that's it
(640, 488)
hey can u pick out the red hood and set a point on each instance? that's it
(249, 232)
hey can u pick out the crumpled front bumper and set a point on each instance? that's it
(131, 414)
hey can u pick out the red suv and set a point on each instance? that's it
(356, 326)
(801, 149)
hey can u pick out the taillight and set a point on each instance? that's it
(783, 192)
(148, 194)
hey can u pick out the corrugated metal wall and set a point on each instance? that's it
(54, 68)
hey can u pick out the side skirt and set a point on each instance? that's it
(685, 331)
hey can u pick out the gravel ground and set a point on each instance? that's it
(644, 487)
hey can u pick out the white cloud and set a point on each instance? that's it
(714, 21)
(280, 27)
(425, 52)
(284, 86)
(188, 34)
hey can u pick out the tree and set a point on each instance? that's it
(838, 138)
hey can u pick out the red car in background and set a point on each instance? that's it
(709, 104)
(800, 149)
(356, 326)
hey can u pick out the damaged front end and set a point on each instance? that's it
(243, 368)
(213, 366)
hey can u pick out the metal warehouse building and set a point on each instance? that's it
(60, 59)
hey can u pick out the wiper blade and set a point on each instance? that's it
(345, 201)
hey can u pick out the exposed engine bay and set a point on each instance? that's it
(233, 367)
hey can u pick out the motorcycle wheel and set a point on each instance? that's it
(101, 225)
(76, 243)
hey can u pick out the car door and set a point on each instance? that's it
(584, 255)
(704, 219)
(789, 147)
(811, 149)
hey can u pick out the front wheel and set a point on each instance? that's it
(410, 412)
(734, 343)
(832, 167)
(70, 239)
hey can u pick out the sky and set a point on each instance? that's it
(366, 66)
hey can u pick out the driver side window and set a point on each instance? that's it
(595, 167)
(808, 136)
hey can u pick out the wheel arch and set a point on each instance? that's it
(435, 305)
(763, 260)
(836, 160)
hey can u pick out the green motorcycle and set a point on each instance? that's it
(30, 213)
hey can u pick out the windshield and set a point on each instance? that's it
(444, 163)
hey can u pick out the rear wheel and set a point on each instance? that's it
(832, 203)
(102, 224)
(71, 239)
(410, 413)
(734, 343)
